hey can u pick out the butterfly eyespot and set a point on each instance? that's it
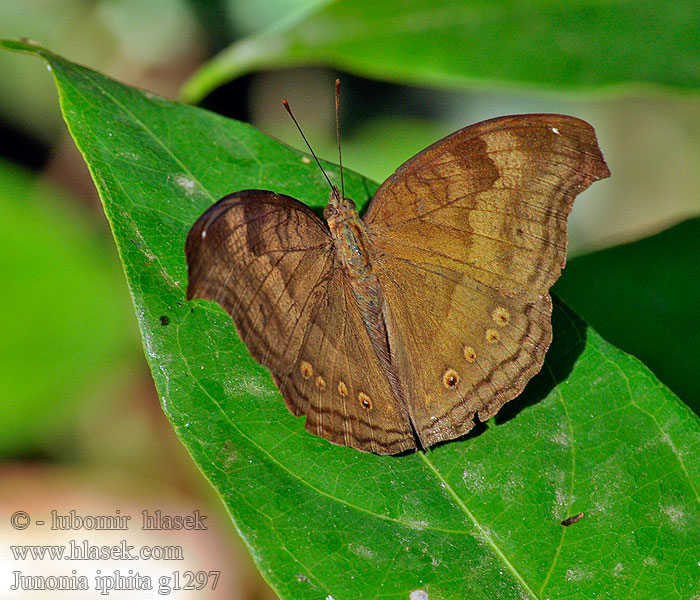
(320, 383)
(491, 336)
(450, 378)
(306, 369)
(500, 316)
(365, 400)
(469, 354)
(342, 389)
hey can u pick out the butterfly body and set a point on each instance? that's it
(401, 328)
(352, 249)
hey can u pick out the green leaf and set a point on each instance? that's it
(643, 297)
(476, 518)
(549, 43)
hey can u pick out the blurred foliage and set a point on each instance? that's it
(67, 327)
(644, 297)
(250, 16)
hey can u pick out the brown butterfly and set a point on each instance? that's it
(400, 328)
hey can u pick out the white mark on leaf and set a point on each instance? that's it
(168, 279)
(559, 498)
(473, 478)
(675, 513)
(128, 155)
(361, 551)
(416, 524)
(186, 183)
(418, 595)
(562, 439)
(578, 574)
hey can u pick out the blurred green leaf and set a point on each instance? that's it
(475, 518)
(65, 314)
(643, 297)
(548, 43)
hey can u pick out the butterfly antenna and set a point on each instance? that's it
(289, 110)
(337, 135)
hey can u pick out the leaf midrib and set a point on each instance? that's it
(482, 533)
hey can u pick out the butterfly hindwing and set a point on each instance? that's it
(268, 260)
(339, 384)
(461, 353)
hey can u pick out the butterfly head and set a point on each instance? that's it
(338, 208)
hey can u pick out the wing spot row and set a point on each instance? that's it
(307, 370)
(500, 316)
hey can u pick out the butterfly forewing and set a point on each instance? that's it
(469, 236)
(268, 260)
(491, 200)
(261, 256)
